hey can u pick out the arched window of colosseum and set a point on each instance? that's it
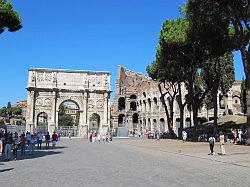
(145, 105)
(144, 94)
(121, 119)
(133, 106)
(155, 101)
(149, 104)
(121, 104)
(133, 97)
(162, 125)
(135, 118)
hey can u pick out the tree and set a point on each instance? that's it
(65, 120)
(230, 20)
(9, 18)
(220, 76)
(16, 110)
(179, 58)
(3, 112)
(243, 97)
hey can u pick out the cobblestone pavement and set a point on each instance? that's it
(129, 162)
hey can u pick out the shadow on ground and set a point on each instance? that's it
(37, 154)
(3, 170)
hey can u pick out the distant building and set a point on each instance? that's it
(23, 105)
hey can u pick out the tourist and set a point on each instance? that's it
(69, 135)
(8, 146)
(32, 144)
(58, 135)
(1, 142)
(211, 141)
(103, 138)
(99, 137)
(39, 140)
(16, 141)
(184, 136)
(222, 144)
(240, 136)
(28, 136)
(90, 137)
(47, 139)
(54, 139)
(23, 144)
(107, 137)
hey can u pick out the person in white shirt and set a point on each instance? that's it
(211, 141)
(39, 140)
(184, 136)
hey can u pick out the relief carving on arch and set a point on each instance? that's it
(99, 104)
(39, 102)
(47, 102)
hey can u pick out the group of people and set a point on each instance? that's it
(237, 136)
(211, 142)
(13, 141)
(93, 137)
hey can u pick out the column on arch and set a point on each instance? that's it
(30, 111)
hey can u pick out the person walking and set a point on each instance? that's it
(99, 137)
(54, 139)
(8, 146)
(211, 141)
(39, 140)
(47, 139)
(16, 141)
(103, 138)
(32, 144)
(222, 144)
(69, 135)
(23, 144)
(184, 136)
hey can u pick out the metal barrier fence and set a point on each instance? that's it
(66, 130)
(16, 128)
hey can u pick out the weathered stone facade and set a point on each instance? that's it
(137, 104)
(49, 88)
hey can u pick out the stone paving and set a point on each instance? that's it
(129, 162)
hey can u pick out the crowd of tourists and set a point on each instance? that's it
(97, 137)
(12, 142)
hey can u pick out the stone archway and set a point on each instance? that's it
(48, 88)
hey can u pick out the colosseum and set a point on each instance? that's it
(137, 104)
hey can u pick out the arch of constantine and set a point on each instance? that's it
(49, 88)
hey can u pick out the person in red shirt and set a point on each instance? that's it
(54, 139)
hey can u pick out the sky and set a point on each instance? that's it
(84, 35)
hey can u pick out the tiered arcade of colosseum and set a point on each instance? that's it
(137, 104)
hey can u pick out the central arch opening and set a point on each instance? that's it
(68, 118)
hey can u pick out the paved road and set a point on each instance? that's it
(77, 162)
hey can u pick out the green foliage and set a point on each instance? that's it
(3, 112)
(61, 110)
(65, 120)
(9, 18)
(16, 110)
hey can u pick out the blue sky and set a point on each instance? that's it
(80, 34)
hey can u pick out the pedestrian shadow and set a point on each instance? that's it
(3, 170)
(52, 148)
(37, 153)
